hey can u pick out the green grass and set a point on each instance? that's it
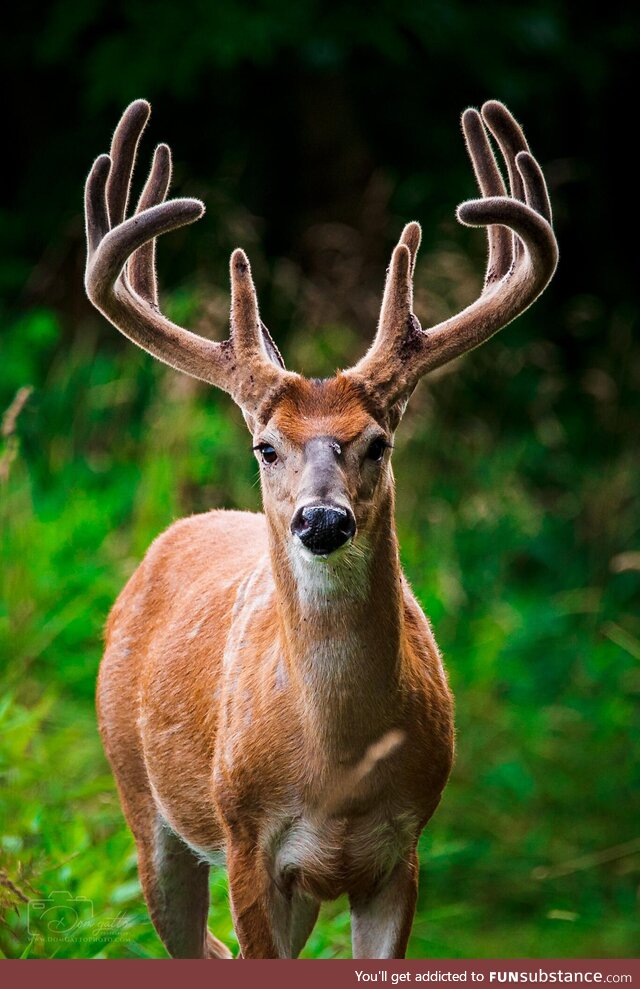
(512, 516)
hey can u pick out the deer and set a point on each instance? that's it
(271, 695)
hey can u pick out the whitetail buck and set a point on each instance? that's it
(271, 692)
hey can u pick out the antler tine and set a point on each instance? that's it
(124, 145)
(510, 138)
(141, 269)
(535, 187)
(121, 282)
(397, 301)
(490, 183)
(511, 142)
(523, 255)
(411, 237)
(245, 320)
(95, 204)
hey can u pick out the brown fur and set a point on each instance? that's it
(226, 752)
(329, 408)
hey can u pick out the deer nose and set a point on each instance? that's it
(323, 529)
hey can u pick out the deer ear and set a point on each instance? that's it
(249, 420)
(397, 411)
(275, 357)
(269, 345)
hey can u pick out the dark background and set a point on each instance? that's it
(313, 132)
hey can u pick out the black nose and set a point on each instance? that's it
(322, 529)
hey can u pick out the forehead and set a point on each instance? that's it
(335, 407)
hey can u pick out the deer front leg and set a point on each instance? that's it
(381, 923)
(304, 913)
(261, 911)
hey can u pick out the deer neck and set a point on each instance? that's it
(341, 623)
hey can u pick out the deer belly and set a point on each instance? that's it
(325, 858)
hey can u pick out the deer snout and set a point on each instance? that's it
(323, 528)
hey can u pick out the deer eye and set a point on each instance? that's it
(376, 449)
(267, 452)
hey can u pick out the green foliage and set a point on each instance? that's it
(514, 548)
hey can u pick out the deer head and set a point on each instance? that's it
(323, 446)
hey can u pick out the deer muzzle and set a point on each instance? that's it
(322, 529)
